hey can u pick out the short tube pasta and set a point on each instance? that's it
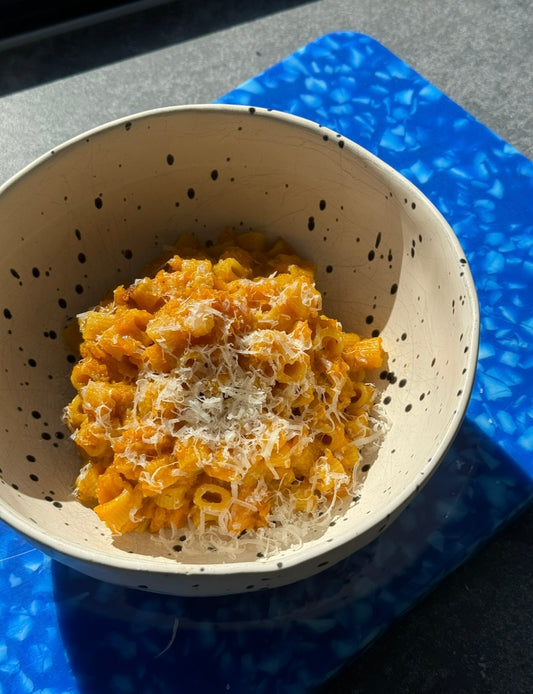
(215, 395)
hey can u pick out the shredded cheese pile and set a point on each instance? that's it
(215, 399)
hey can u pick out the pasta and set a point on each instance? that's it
(215, 395)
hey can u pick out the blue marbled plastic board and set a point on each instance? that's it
(63, 632)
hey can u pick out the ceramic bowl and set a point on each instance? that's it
(90, 214)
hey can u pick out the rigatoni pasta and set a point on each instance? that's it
(216, 396)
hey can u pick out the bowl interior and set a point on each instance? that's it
(90, 216)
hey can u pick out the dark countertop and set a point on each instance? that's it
(474, 633)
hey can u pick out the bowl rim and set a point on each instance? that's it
(138, 563)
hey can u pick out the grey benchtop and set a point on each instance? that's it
(474, 633)
(479, 52)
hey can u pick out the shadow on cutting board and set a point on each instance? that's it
(290, 640)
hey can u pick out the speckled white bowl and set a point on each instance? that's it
(90, 214)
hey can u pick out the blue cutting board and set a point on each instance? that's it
(63, 632)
